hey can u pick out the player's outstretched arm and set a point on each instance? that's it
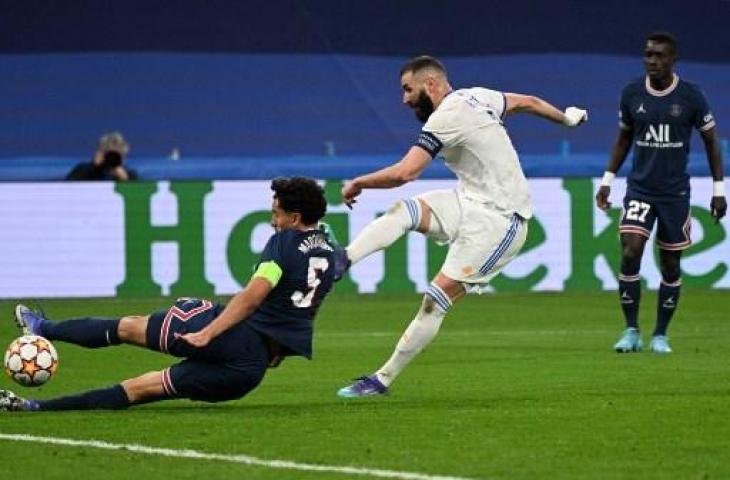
(718, 204)
(571, 117)
(239, 308)
(620, 149)
(406, 170)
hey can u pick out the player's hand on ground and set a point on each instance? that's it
(718, 207)
(197, 339)
(602, 197)
(574, 116)
(275, 361)
(349, 192)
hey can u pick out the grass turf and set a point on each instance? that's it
(514, 387)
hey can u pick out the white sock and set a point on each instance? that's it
(383, 231)
(419, 333)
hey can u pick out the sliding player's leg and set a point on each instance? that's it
(90, 332)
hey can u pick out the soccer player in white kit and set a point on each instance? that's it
(483, 220)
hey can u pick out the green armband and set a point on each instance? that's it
(269, 271)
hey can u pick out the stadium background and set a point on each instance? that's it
(516, 385)
(244, 91)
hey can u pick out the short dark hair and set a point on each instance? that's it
(665, 38)
(301, 195)
(417, 64)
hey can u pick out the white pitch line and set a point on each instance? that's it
(243, 459)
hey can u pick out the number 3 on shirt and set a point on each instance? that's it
(316, 266)
(637, 210)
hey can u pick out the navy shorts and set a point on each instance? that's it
(229, 367)
(672, 217)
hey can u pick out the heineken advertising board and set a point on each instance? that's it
(203, 238)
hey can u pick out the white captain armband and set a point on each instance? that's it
(429, 142)
(718, 188)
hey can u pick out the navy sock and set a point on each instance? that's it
(667, 301)
(629, 289)
(87, 332)
(112, 398)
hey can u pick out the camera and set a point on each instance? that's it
(112, 159)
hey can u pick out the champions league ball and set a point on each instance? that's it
(31, 360)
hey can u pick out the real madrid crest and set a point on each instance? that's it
(675, 110)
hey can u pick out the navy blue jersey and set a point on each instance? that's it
(662, 123)
(287, 313)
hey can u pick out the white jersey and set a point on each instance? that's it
(467, 130)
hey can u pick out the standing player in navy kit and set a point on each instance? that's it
(227, 350)
(657, 116)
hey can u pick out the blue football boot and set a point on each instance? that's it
(660, 344)
(363, 387)
(630, 341)
(29, 321)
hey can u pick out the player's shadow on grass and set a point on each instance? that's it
(406, 403)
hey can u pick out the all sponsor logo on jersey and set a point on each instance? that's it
(658, 133)
(658, 136)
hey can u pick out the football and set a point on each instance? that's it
(31, 360)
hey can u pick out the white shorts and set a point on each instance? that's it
(481, 240)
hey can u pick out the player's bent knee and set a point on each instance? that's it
(670, 273)
(452, 288)
(143, 388)
(407, 212)
(233, 390)
(424, 225)
(133, 329)
(631, 254)
(632, 246)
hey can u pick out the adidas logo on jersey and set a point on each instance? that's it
(626, 298)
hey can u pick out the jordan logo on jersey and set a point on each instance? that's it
(641, 109)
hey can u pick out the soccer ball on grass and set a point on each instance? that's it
(31, 360)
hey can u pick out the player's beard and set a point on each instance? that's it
(423, 108)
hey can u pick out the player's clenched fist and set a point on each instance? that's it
(349, 192)
(574, 116)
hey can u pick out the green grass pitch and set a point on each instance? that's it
(514, 387)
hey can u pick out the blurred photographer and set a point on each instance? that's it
(107, 163)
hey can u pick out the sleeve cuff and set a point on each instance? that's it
(708, 126)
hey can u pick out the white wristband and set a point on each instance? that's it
(607, 178)
(718, 188)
